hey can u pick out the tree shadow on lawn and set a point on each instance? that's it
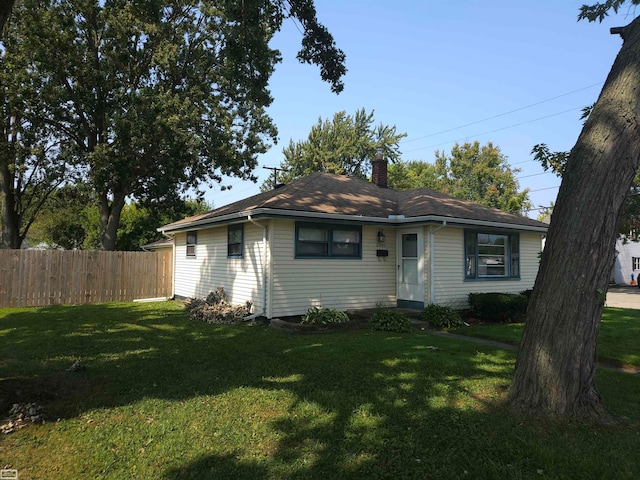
(345, 405)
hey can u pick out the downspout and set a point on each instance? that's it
(432, 268)
(174, 265)
(264, 270)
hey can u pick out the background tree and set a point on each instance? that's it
(70, 220)
(63, 222)
(6, 7)
(344, 145)
(139, 224)
(544, 213)
(471, 172)
(159, 98)
(33, 161)
(555, 369)
(414, 174)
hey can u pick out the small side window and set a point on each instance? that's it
(192, 241)
(235, 240)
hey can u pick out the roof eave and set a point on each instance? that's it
(278, 213)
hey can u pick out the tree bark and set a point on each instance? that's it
(110, 220)
(5, 11)
(10, 217)
(556, 363)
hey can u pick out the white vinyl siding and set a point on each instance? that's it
(241, 277)
(299, 283)
(449, 274)
(625, 265)
(295, 284)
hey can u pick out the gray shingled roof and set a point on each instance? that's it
(324, 193)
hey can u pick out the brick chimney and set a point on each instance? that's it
(379, 171)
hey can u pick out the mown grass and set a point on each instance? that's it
(618, 340)
(163, 397)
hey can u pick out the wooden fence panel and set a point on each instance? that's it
(31, 278)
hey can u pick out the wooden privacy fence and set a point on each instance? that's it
(30, 278)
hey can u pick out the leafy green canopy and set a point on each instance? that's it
(471, 172)
(161, 97)
(344, 145)
(71, 221)
(33, 160)
(598, 11)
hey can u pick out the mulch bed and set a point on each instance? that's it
(294, 325)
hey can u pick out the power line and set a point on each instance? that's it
(524, 161)
(496, 130)
(541, 189)
(533, 175)
(293, 19)
(503, 114)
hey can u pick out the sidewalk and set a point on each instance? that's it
(602, 363)
(623, 297)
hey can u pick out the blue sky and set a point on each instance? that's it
(435, 66)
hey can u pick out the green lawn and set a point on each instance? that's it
(163, 397)
(618, 339)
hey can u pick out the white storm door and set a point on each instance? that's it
(411, 265)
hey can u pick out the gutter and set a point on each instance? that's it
(391, 220)
(264, 270)
(432, 267)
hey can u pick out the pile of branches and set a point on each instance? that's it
(216, 309)
(22, 414)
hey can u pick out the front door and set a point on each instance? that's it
(411, 268)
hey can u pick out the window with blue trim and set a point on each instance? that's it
(491, 255)
(317, 240)
(235, 240)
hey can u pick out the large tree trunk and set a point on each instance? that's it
(556, 364)
(10, 217)
(110, 220)
(5, 11)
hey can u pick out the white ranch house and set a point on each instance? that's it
(345, 243)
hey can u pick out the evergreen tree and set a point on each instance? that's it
(344, 145)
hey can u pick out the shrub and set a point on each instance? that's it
(324, 316)
(499, 307)
(527, 293)
(441, 317)
(389, 320)
(216, 309)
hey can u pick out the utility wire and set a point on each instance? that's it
(496, 130)
(541, 189)
(533, 175)
(503, 114)
(293, 19)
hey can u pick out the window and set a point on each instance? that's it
(491, 255)
(635, 263)
(324, 240)
(192, 241)
(235, 240)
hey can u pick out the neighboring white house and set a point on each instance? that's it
(627, 262)
(163, 245)
(346, 243)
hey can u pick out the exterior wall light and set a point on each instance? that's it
(380, 236)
